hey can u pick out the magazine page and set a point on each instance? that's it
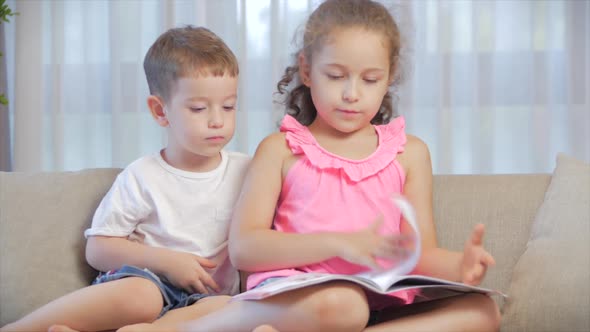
(300, 281)
(388, 277)
(420, 281)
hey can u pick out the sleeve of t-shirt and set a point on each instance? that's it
(122, 208)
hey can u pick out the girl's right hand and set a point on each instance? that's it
(365, 246)
(187, 271)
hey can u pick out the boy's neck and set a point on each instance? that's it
(192, 162)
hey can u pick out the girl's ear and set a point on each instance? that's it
(304, 69)
(158, 110)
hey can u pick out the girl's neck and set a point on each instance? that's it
(356, 145)
(320, 128)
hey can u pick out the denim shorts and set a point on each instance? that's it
(373, 315)
(173, 296)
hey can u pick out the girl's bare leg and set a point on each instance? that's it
(328, 307)
(265, 328)
(470, 312)
(171, 320)
(106, 306)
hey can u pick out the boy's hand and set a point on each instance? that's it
(475, 259)
(187, 271)
(365, 246)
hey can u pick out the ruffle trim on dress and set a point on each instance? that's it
(392, 138)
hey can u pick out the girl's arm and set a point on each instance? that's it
(253, 245)
(467, 266)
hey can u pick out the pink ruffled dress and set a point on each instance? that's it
(323, 192)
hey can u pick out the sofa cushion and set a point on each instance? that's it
(549, 290)
(42, 218)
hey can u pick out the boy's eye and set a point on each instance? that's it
(197, 109)
(229, 107)
(371, 80)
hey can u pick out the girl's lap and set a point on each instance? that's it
(459, 303)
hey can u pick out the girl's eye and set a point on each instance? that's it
(229, 107)
(371, 80)
(334, 77)
(197, 109)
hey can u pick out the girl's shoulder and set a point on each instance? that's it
(416, 144)
(415, 153)
(273, 147)
(288, 141)
(273, 153)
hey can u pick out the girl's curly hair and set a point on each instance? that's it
(330, 15)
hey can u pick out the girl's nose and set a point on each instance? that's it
(350, 93)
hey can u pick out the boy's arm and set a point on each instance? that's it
(467, 266)
(110, 253)
(108, 248)
(106, 253)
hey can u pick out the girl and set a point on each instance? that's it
(313, 190)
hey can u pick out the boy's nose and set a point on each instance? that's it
(215, 119)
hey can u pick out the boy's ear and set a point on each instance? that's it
(304, 69)
(158, 110)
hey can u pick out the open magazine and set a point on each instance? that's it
(389, 281)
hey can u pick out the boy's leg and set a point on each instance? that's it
(172, 318)
(470, 312)
(337, 306)
(105, 306)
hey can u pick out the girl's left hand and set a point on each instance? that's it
(475, 258)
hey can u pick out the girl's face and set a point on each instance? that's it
(348, 78)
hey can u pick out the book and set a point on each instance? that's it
(390, 281)
(430, 288)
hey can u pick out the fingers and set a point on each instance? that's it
(370, 262)
(395, 247)
(403, 240)
(197, 287)
(488, 259)
(476, 275)
(204, 262)
(477, 235)
(377, 223)
(209, 282)
(392, 252)
(202, 282)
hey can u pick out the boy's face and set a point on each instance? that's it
(201, 115)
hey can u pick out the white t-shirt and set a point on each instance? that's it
(158, 205)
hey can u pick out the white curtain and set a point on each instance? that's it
(491, 86)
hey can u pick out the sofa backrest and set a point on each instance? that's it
(42, 219)
(43, 216)
(505, 204)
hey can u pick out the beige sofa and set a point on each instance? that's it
(43, 215)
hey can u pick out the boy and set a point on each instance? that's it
(161, 231)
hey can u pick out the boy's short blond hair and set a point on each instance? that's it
(185, 52)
